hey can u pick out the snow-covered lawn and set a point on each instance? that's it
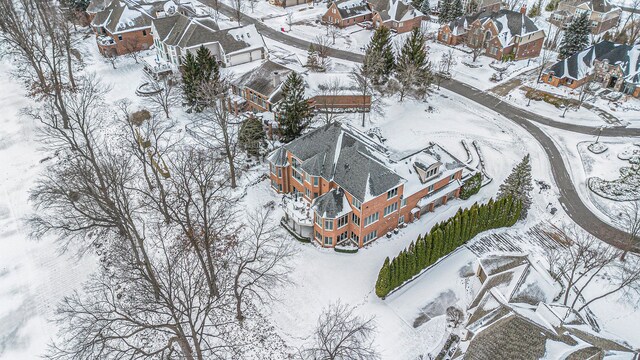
(582, 164)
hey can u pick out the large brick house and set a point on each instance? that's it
(614, 66)
(502, 34)
(176, 35)
(602, 14)
(475, 6)
(122, 27)
(346, 188)
(287, 3)
(397, 15)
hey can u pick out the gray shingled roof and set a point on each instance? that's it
(181, 31)
(261, 80)
(580, 64)
(329, 205)
(352, 8)
(278, 157)
(119, 16)
(516, 23)
(396, 10)
(336, 153)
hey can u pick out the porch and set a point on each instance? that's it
(156, 68)
(298, 217)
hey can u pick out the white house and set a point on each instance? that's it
(176, 35)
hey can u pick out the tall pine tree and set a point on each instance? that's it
(190, 78)
(576, 37)
(425, 7)
(456, 9)
(518, 185)
(380, 48)
(252, 137)
(445, 11)
(294, 112)
(413, 69)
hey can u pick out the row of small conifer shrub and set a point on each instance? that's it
(445, 237)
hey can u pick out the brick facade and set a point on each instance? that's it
(399, 26)
(122, 43)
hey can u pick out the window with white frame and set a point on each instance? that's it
(403, 203)
(371, 219)
(307, 192)
(307, 178)
(355, 237)
(315, 181)
(328, 240)
(370, 236)
(328, 224)
(392, 193)
(297, 176)
(452, 177)
(401, 220)
(318, 220)
(279, 172)
(355, 219)
(430, 188)
(342, 237)
(390, 209)
(356, 203)
(343, 221)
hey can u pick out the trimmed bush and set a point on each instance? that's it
(443, 238)
(471, 186)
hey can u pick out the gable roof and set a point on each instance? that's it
(181, 31)
(331, 204)
(396, 10)
(121, 16)
(262, 80)
(352, 8)
(344, 155)
(580, 65)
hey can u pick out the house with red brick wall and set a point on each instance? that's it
(260, 90)
(341, 187)
(503, 34)
(347, 12)
(123, 27)
(287, 3)
(396, 15)
(602, 14)
(613, 66)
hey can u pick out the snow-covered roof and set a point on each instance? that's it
(508, 23)
(332, 204)
(267, 79)
(121, 16)
(396, 10)
(581, 64)
(353, 8)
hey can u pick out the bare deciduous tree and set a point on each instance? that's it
(629, 220)
(163, 94)
(321, 45)
(259, 260)
(342, 335)
(454, 316)
(133, 45)
(362, 76)
(326, 101)
(289, 19)
(334, 31)
(36, 34)
(238, 8)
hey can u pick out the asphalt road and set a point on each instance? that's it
(569, 198)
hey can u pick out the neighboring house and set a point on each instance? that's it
(503, 34)
(512, 317)
(122, 27)
(348, 189)
(475, 6)
(397, 15)
(176, 35)
(260, 90)
(287, 3)
(614, 66)
(347, 12)
(602, 14)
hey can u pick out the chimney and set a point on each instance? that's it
(523, 9)
(276, 79)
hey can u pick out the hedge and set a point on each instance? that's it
(471, 186)
(443, 238)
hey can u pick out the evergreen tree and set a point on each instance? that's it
(294, 112)
(425, 7)
(207, 65)
(456, 10)
(413, 69)
(190, 78)
(445, 11)
(576, 37)
(312, 58)
(380, 48)
(383, 284)
(518, 185)
(471, 186)
(252, 137)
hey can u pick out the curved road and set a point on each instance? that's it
(569, 198)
